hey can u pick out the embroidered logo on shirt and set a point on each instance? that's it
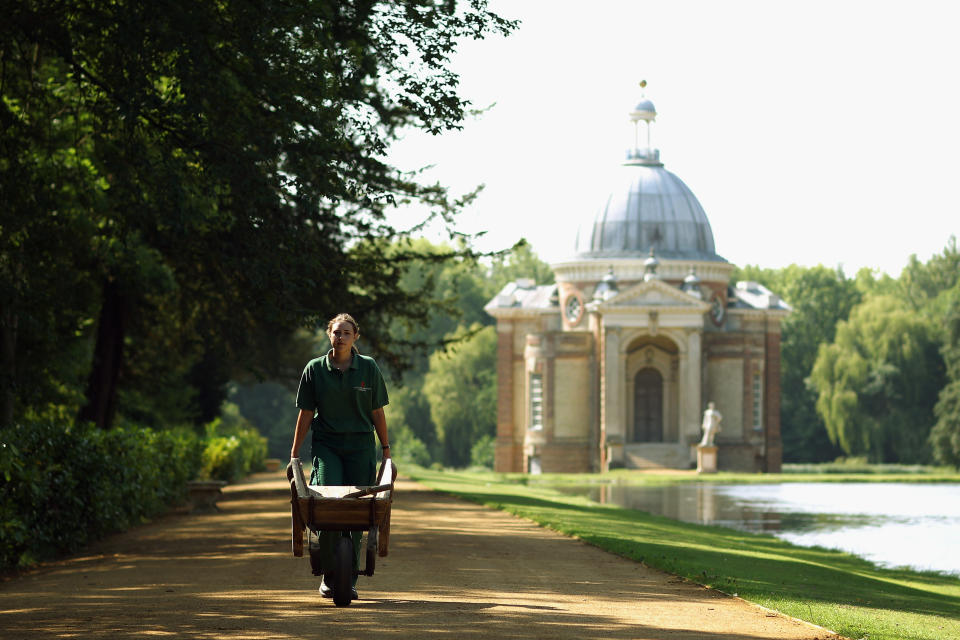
(363, 387)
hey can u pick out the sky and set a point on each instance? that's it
(811, 132)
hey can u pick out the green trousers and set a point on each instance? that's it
(343, 459)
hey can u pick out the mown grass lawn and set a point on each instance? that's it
(830, 588)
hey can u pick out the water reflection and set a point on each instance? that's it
(872, 520)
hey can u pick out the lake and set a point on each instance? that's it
(892, 524)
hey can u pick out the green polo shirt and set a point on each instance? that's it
(343, 400)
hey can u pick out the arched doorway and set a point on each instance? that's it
(648, 406)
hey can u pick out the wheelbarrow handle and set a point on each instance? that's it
(369, 490)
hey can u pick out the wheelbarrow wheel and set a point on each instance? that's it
(343, 571)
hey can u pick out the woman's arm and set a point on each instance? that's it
(303, 425)
(380, 424)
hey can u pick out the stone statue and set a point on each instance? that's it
(711, 425)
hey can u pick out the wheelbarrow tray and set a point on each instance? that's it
(331, 508)
(331, 513)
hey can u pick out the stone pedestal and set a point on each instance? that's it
(615, 457)
(203, 494)
(706, 459)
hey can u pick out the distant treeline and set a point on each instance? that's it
(870, 364)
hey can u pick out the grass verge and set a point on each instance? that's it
(830, 588)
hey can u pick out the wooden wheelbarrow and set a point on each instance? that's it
(344, 509)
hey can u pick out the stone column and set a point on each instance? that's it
(535, 362)
(612, 390)
(771, 400)
(691, 380)
(506, 447)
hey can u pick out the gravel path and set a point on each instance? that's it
(455, 570)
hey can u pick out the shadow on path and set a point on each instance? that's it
(454, 570)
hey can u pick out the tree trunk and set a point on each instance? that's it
(209, 378)
(107, 359)
(8, 365)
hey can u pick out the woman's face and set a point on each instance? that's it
(342, 336)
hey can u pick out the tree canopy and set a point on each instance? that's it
(945, 435)
(879, 380)
(185, 185)
(436, 426)
(461, 388)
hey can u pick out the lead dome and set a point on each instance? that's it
(647, 207)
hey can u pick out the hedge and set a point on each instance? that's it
(64, 486)
(232, 451)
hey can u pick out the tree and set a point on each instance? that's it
(458, 285)
(413, 436)
(452, 279)
(924, 284)
(45, 189)
(271, 408)
(878, 382)
(945, 435)
(215, 165)
(461, 387)
(820, 297)
(520, 262)
(409, 407)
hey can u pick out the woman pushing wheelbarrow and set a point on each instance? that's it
(341, 399)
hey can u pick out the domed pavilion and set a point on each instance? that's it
(613, 366)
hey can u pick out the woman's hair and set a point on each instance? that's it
(344, 317)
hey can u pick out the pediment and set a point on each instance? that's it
(656, 294)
